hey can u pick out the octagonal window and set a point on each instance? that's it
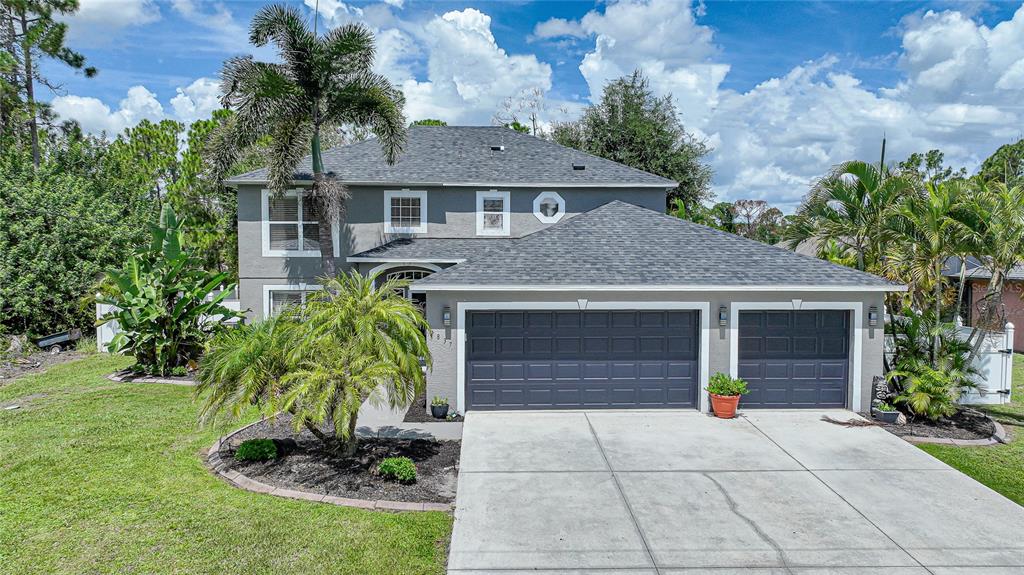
(549, 207)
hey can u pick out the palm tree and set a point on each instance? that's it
(322, 82)
(350, 343)
(850, 206)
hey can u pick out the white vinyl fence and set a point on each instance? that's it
(995, 362)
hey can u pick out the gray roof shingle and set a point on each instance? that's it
(432, 249)
(619, 244)
(436, 155)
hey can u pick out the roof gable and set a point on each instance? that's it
(619, 244)
(487, 155)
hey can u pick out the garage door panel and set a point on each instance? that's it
(794, 359)
(594, 359)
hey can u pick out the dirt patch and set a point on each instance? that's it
(129, 376)
(303, 464)
(965, 424)
(418, 412)
(33, 363)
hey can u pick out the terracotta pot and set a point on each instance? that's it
(724, 405)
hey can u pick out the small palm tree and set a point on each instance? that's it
(322, 82)
(349, 344)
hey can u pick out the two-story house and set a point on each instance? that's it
(553, 279)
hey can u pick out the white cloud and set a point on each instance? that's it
(193, 102)
(95, 117)
(223, 33)
(558, 28)
(97, 20)
(196, 101)
(960, 94)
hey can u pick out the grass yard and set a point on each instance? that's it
(1000, 467)
(103, 477)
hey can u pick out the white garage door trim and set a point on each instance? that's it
(582, 304)
(796, 305)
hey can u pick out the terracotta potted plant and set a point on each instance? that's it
(725, 394)
(439, 407)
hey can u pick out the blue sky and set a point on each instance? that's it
(782, 90)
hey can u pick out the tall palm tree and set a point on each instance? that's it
(321, 82)
(850, 206)
(350, 343)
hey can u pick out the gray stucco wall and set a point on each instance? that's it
(451, 213)
(441, 380)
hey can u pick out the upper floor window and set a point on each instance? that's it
(405, 212)
(290, 225)
(549, 207)
(492, 213)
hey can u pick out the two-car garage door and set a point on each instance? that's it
(539, 359)
(581, 359)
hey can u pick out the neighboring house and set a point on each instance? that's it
(552, 279)
(1011, 308)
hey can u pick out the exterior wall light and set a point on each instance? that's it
(446, 316)
(872, 316)
(723, 316)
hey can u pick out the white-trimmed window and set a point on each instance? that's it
(290, 225)
(279, 297)
(405, 212)
(549, 207)
(492, 213)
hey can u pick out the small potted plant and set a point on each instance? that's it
(886, 412)
(439, 407)
(725, 394)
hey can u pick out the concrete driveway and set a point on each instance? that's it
(679, 492)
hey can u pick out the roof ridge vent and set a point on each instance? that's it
(497, 148)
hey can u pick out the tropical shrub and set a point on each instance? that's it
(256, 450)
(164, 301)
(350, 343)
(401, 469)
(722, 384)
(438, 400)
(927, 392)
(914, 335)
(886, 407)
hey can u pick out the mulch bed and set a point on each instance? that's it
(11, 368)
(304, 465)
(965, 424)
(418, 412)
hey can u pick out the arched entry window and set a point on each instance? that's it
(405, 272)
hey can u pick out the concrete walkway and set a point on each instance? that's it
(383, 422)
(680, 492)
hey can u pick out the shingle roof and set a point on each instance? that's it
(977, 270)
(432, 249)
(463, 155)
(619, 244)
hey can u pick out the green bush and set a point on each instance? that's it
(401, 469)
(438, 400)
(885, 407)
(165, 301)
(927, 392)
(179, 371)
(722, 384)
(256, 450)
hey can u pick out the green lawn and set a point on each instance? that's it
(101, 477)
(1000, 467)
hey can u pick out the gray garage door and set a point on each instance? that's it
(794, 358)
(572, 359)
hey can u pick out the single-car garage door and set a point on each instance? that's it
(794, 358)
(574, 359)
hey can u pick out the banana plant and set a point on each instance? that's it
(166, 305)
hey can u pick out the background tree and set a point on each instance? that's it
(930, 168)
(522, 129)
(32, 33)
(527, 105)
(1006, 165)
(632, 126)
(429, 122)
(321, 82)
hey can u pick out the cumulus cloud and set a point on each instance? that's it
(96, 20)
(960, 93)
(196, 101)
(193, 102)
(559, 28)
(96, 117)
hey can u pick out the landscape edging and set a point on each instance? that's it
(997, 438)
(149, 379)
(216, 464)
